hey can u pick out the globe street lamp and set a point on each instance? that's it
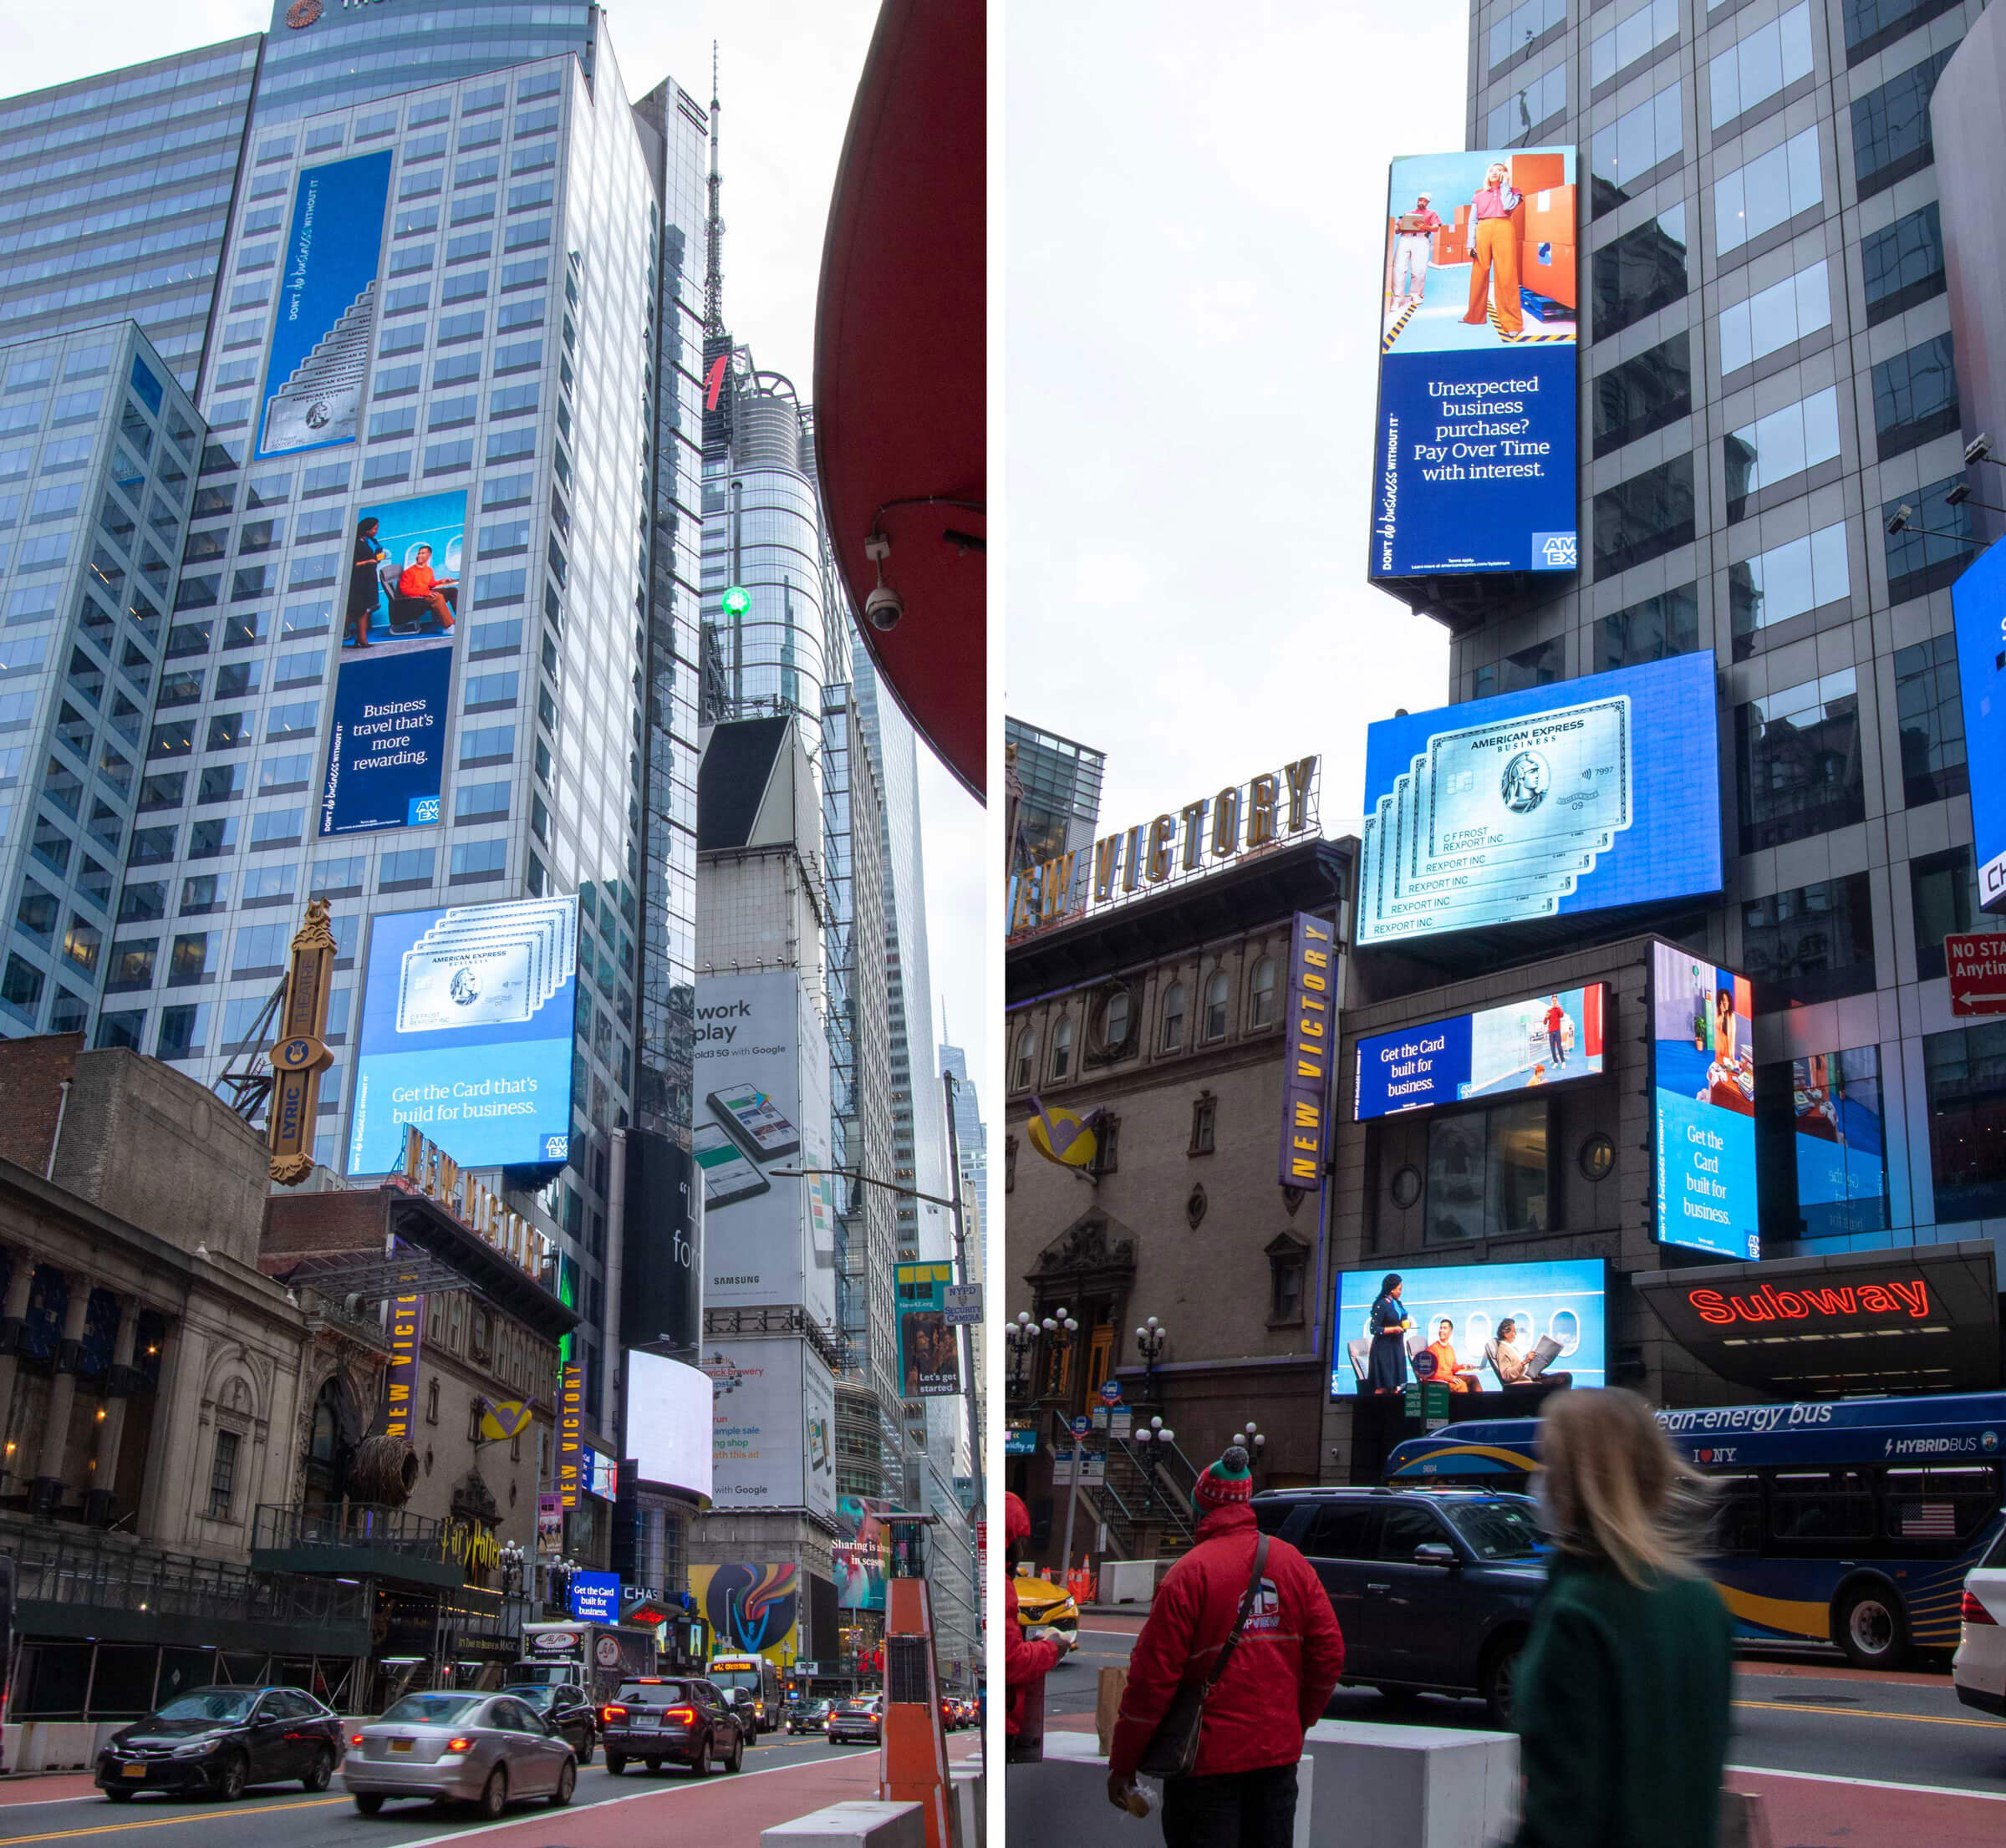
(1156, 1440)
(1059, 1329)
(1020, 1336)
(1253, 1441)
(1149, 1340)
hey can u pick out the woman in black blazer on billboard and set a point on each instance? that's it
(1388, 1324)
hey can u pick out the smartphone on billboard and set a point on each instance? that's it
(728, 1176)
(751, 1121)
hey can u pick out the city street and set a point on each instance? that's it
(1839, 1755)
(782, 1779)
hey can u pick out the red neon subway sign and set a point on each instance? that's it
(1808, 1304)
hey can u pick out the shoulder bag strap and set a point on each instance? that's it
(1240, 1622)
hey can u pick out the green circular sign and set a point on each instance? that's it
(737, 600)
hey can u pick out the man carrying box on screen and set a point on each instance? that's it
(1413, 243)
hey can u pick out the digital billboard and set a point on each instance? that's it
(773, 1424)
(861, 1552)
(1841, 1161)
(1703, 1076)
(752, 1609)
(1593, 793)
(467, 1017)
(930, 1351)
(669, 1410)
(1474, 466)
(1562, 1302)
(1545, 1039)
(1977, 601)
(762, 1117)
(318, 357)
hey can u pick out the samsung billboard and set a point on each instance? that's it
(1703, 1079)
(1978, 602)
(1545, 1039)
(1594, 793)
(1475, 467)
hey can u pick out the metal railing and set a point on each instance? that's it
(349, 1524)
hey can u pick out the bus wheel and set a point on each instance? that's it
(1872, 1628)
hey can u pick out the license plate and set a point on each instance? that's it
(133, 1771)
(646, 1723)
(402, 1744)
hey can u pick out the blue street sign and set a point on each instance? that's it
(1111, 1390)
(1082, 1425)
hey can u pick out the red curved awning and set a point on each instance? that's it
(900, 365)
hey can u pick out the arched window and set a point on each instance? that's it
(1114, 1020)
(1027, 1052)
(1061, 1047)
(1173, 1017)
(1260, 994)
(1216, 991)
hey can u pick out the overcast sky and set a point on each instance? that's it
(1194, 226)
(788, 71)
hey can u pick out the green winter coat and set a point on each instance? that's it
(1621, 1706)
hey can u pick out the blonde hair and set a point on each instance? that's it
(1614, 1488)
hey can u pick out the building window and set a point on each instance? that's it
(1636, 31)
(1010, 1164)
(1624, 156)
(1639, 273)
(1203, 1118)
(1216, 990)
(1644, 394)
(1106, 1145)
(1890, 127)
(1528, 108)
(1787, 580)
(1872, 24)
(1944, 896)
(1764, 64)
(1539, 665)
(1116, 1012)
(1931, 715)
(1903, 264)
(1652, 630)
(1820, 1146)
(1174, 1018)
(1775, 448)
(1769, 191)
(1061, 1047)
(1915, 397)
(1775, 318)
(1260, 994)
(1523, 26)
(1644, 517)
(1025, 1061)
(431, 1403)
(1964, 1070)
(1288, 1266)
(1814, 943)
(1935, 544)
(1486, 1173)
(222, 1475)
(1799, 755)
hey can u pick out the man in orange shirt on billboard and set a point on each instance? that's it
(1493, 252)
(417, 582)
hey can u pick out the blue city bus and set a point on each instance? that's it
(1849, 1521)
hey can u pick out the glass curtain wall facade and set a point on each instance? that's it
(1061, 800)
(115, 193)
(1766, 344)
(99, 448)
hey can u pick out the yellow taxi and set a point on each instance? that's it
(1041, 1605)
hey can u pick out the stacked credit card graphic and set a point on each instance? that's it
(487, 965)
(1496, 822)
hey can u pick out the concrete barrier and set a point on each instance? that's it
(969, 1810)
(55, 1745)
(857, 1825)
(1062, 1803)
(1421, 1786)
(1131, 1581)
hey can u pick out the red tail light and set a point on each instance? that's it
(612, 1713)
(459, 1745)
(683, 1716)
(1973, 1612)
(355, 1738)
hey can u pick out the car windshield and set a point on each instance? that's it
(729, 1678)
(650, 1693)
(222, 1705)
(432, 1709)
(537, 1697)
(1498, 1530)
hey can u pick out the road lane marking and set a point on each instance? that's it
(168, 1822)
(1870, 1784)
(1843, 1712)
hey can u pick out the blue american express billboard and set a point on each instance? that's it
(1475, 467)
(1545, 1039)
(1562, 1302)
(1578, 797)
(317, 360)
(1702, 1078)
(1978, 602)
(467, 1015)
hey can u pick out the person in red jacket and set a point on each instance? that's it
(1241, 1793)
(417, 582)
(1025, 1662)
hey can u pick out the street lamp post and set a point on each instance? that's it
(1156, 1438)
(1255, 1442)
(1020, 1336)
(1149, 1340)
(1059, 1330)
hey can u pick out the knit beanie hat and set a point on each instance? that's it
(1226, 1481)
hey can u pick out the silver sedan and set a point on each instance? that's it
(485, 1749)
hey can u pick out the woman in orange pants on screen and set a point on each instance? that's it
(1493, 252)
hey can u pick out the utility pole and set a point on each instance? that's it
(966, 1336)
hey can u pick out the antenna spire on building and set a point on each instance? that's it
(713, 224)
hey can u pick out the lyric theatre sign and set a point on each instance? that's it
(1202, 836)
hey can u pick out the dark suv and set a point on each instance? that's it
(658, 1720)
(1433, 1588)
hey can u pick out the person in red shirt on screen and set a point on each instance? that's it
(417, 582)
(1556, 1029)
